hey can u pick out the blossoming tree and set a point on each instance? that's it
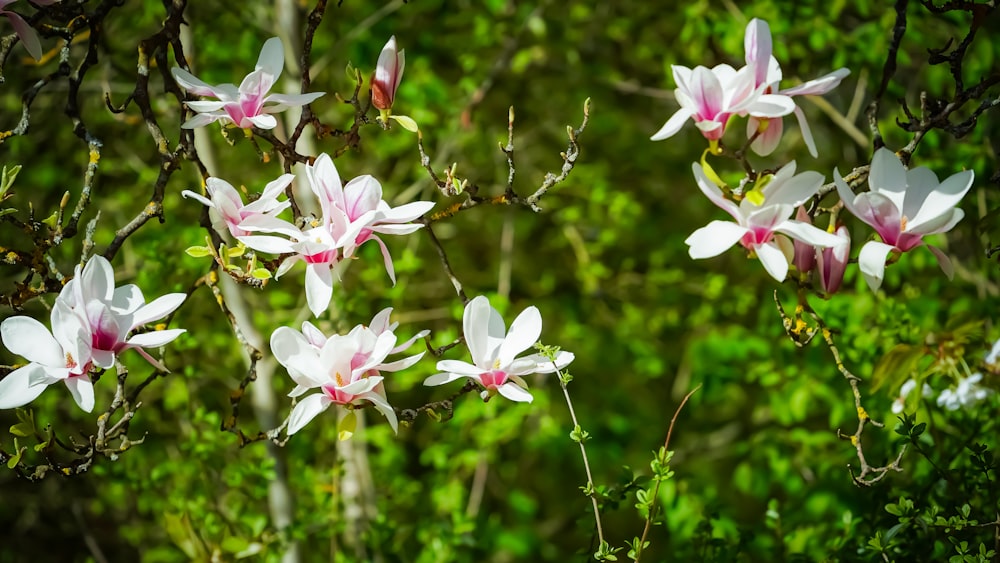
(374, 400)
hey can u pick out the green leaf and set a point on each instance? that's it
(896, 366)
(178, 527)
(198, 251)
(347, 426)
(261, 274)
(406, 122)
(22, 429)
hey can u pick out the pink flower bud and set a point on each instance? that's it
(831, 262)
(387, 75)
(805, 253)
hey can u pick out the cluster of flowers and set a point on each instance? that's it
(347, 369)
(352, 214)
(967, 393)
(902, 205)
(92, 323)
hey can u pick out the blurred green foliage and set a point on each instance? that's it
(759, 471)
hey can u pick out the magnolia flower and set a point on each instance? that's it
(388, 74)
(760, 218)
(494, 349)
(767, 75)
(244, 106)
(352, 215)
(64, 354)
(966, 394)
(831, 262)
(27, 34)
(900, 402)
(346, 368)
(712, 96)
(223, 198)
(903, 206)
(111, 313)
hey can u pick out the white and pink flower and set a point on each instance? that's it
(347, 369)
(759, 220)
(250, 105)
(495, 365)
(767, 75)
(64, 354)
(903, 206)
(112, 313)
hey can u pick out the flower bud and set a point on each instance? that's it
(832, 262)
(387, 76)
(805, 253)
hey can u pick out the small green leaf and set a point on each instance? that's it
(406, 122)
(22, 429)
(198, 251)
(261, 274)
(347, 426)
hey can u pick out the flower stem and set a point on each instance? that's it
(656, 487)
(586, 463)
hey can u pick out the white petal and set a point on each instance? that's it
(773, 260)
(306, 410)
(940, 200)
(382, 405)
(319, 287)
(871, 261)
(943, 261)
(673, 125)
(767, 141)
(476, 321)
(888, 177)
(713, 193)
(158, 308)
(443, 378)
(272, 57)
(771, 105)
(401, 364)
(192, 84)
(809, 234)
(820, 85)
(30, 339)
(156, 338)
(807, 135)
(714, 239)
(82, 390)
(23, 385)
(523, 333)
(459, 367)
(514, 392)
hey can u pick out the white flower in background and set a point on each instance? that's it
(965, 395)
(494, 349)
(249, 105)
(759, 218)
(903, 206)
(905, 390)
(64, 354)
(112, 313)
(345, 368)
